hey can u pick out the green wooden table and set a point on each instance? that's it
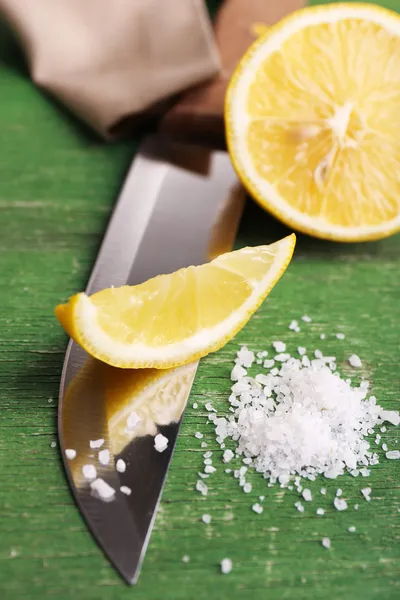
(57, 187)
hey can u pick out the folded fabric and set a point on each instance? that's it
(108, 60)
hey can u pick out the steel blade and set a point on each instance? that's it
(179, 206)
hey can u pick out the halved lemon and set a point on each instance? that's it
(175, 319)
(313, 118)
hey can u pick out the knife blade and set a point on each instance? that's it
(179, 206)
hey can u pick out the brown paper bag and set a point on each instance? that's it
(110, 59)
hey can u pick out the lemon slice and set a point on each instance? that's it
(175, 319)
(313, 118)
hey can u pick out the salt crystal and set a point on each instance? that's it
(257, 508)
(340, 504)
(96, 443)
(299, 506)
(323, 491)
(326, 542)
(89, 471)
(121, 465)
(307, 495)
(126, 490)
(393, 454)
(320, 511)
(351, 529)
(208, 461)
(53, 444)
(132, 421)
(318, 354)
(261, 498)
(268, 364)
(301, 350)
(365, 472)
(238, 372)
(209, 469)
(102, 489)
(228, 470)
(340, 336)
(70, 453)
(322, 336)
(185, 558)
(366, 492)
(160, 442)
(339, 492)
(294, 326)
(206, 519)
(392, 416)
(227, 456)
(246, 357)
(306, 319)
(247, 488)
(282, 357)
(202, 488)
(209, 407)
(104, 457)
(226, 566)
(195, 405)
(384, 447)
(355, 361)
(203, 444)
(198, 435)
(356, 507)
(207, 454)
(279, 346)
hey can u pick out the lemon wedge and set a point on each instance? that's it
(175, 319)
(312, 118)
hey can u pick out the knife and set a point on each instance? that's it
(180, 205)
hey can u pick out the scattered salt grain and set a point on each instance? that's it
(356, 507)
(301, 350)
(208, 461)
(279, 346)
(209, 469)
(299, 506)
(307, 495)
(355, 361)
(204, 444)
(384, 447)
(104, 457)
(323, 491)
(366, 492)
(198, 435)
(393, 454)
(238, 372)
(351, 529)
(365, 472)
(102, 489)
(392, 416)
(89, 471)
(306, 319)
(195, 405)
(294, 326)
(326, 542)
(185, 558)
(322, 336)
(121, 465)
(226, 566)
(96, 443)
(340, 336)
(207, 455)
(261, 498)
(257, 508)
(246, 357)
(126, 490)
(206, 519)
(160, 442)
(320, 511)
(383, 429)
(227, 456)
(228, 470)
(53, 444)
(70, 453)
(318, 354)
(282, 357)
(339, 492)
(132, 421)
(247, 488)
(269, 363)
(340, 504)
(202, 488)
(209, 407)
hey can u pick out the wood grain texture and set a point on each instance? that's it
(57, 187)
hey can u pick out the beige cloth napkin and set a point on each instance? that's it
(110, 59)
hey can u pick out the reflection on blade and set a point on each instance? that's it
(157, 399)
(179, 206)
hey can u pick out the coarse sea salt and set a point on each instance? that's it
(70, 453)
(120, 465)
(160, 442)
(226, 566)
(301, 419)
(102, 489)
